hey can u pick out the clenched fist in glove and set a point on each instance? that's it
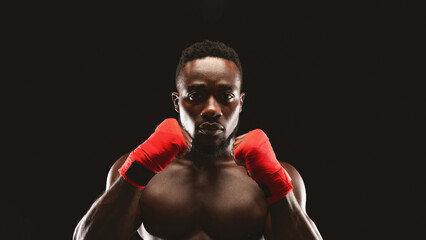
(254, 151)
(152, 156)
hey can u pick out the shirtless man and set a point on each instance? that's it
(192, 178)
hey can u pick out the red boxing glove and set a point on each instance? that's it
(154, 154)
(259, 157)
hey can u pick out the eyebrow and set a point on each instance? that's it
(227, 86)
(196, 86)
(202, 86)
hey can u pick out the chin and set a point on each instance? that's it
(209, 147)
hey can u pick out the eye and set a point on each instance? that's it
(228, 96)
(194, 96)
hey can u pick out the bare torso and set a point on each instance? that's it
(219, 202)
(187, 202)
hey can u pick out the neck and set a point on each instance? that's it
(201, 158)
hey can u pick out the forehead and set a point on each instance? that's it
(209, 71)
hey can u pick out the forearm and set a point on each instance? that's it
(113, 216)
(290, 222)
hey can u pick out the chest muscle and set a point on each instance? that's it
(224, 203)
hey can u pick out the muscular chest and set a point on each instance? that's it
(222, 202)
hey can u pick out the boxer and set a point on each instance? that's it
(193, 178)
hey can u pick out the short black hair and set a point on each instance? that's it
(208, 48)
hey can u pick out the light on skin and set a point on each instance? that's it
(209, 90)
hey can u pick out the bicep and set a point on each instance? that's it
(299, 192)
(299, 189)
(113, 173)
(113, 176)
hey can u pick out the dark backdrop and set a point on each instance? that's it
(335, 85)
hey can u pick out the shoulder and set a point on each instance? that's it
(299, 189)
(113, 174)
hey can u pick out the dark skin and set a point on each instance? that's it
(202, 194)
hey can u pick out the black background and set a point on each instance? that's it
(335, 85)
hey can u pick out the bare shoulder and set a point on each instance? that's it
(299, 189)
(113, 174)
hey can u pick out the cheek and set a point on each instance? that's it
(187, 119)
(233, 119)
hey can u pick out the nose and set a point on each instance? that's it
(211, 109)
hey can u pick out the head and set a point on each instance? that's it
(208, 97)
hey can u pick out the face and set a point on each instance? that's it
(209, 100)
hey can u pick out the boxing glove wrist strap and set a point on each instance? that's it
(137, 175)
(276, 187)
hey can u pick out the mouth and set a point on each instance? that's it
(210, 129)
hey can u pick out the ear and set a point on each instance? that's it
(175, 99)
(242, 96)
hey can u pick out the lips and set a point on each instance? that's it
(209, 128)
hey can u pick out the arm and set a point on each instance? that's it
(283, 187)
(116, 214)
(288, 218)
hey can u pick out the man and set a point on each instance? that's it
(194, 179)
